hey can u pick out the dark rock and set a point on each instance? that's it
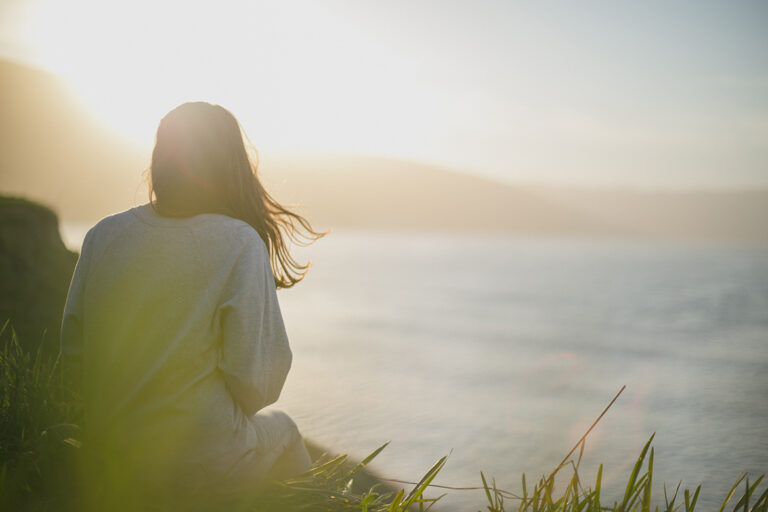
(35, 271)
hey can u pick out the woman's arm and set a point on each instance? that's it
(71, 340)
(255, 356)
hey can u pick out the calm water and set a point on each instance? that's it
(504, 350)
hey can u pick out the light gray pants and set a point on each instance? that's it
(279, 454)
(283, 453)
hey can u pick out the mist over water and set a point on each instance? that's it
(505, 350)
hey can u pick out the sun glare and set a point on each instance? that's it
(136, 61)
(520, 93)
(115, 63)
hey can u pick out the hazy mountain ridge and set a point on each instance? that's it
(739, 216)
(394, 194)
(52, 151)
(368, 192)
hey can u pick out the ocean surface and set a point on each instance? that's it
(501, 352)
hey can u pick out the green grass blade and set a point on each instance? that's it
(762, 502)
(394, 506)
(365, 461)
(424, 482)
(631, 484)
(525, 490)
(670, 505)
(744, 500)
(331, 464)
(598, 485)
(486, 489)
(646, 503)
(695, 497)
(636, 492)
(730, 493)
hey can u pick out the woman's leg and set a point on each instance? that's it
(284, 454)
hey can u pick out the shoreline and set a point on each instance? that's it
(363, 480)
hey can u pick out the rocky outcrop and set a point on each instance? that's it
(35, 271)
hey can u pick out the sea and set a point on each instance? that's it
(500, 351)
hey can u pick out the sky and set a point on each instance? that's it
(651, 94)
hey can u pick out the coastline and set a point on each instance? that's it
(364, 479)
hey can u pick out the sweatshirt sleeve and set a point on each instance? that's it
(255, 356)
(71, 340)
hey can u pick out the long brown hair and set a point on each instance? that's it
(201, 164)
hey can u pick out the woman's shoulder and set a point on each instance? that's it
(113, 222)
(230, 239)
(243, 234)
(146, 216)
(210, 229)
(108, 227)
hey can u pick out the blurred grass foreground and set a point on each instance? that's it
(40, 418)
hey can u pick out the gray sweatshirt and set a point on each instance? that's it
(175, 332)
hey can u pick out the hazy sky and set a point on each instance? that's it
(655, 94)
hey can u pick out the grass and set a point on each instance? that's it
(37, 436)
(39, 448)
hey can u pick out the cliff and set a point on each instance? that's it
(35, 271)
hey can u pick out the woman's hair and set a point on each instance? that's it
(200, 164)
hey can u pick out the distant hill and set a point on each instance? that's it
(53, 152)
(735, 216)
(366, 192)
(369, 192)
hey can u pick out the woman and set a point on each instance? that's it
(172, 328)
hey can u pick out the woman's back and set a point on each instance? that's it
(176, 324)
(172, 326)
